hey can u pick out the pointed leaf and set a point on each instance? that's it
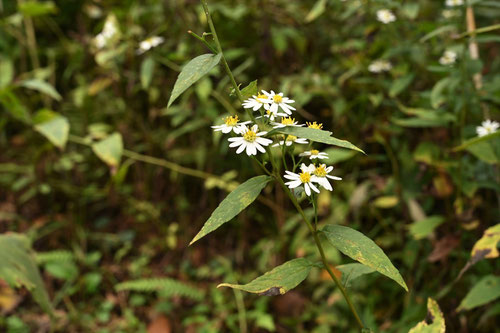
(55, 130)
(316, 11)
(110, 149)
(353, 271)
(354, 244)
(434, 322)
(485, 291)
(317, 135)
(233, 204)
(278, 281)
(423, 228)
(14, 106)
(192, 72)
(43, 87)
(249, 90)
(147, 71)
(487, 246)
(18, 268)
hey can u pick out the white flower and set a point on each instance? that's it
(277, 100)
(321, 175)
(453, 3)
(272, 115)
(448, 58)
(379, 66)
(251, 140)
(149, 43)
(305, 178)
(100, 41)
(291, 139)
(286, 121)
(231, 123)
(256, 102)
(449, 13)
(487, 127)
(110, 28)
(385, 16)
(312, 154)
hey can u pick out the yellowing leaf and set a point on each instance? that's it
(487, 246)
(277, 281)
(386, 201)
(434, 322)
(55, 130)
(110, 149)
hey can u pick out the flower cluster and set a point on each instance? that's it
(448, 58)
(487, 127)
(254, 138)
(385, 16)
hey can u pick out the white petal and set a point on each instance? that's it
(236, 139)
(307, 189)
(241, 148)
(259, 147)
(313, 187)
(294, 184)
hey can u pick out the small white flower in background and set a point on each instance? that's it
(321, 174)
(385, 16)
(100, 41)
(449, 13)
(286, 121)
(272, 115)
(305, 178)
(109, 29)
(291, 139)
(231, 123)
(250, 140)
(487, 127)
(453, 3)
(313, 154)
(256, 102)
(149, 43)
(278, 100)
(379, 66)
(448, 58)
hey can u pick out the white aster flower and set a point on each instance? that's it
(487, 127)
(291, 139)
(100, 41)
(286, 121)
(231, 123)
(379, 66)
(385, 16)
(251, 140)
(272, 115)
(448, 58)
(277, 100)
(256, 102)
(304, 178)
(313, 154)
(321, 175)
(149, 43)
(453, 3)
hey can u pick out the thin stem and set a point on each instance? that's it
(242, 315)
(31, 39)
(203, 40)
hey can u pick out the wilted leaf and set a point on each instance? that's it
(485, 291)
(487, 246)
(110, 149)
(354, 244)
(43, 87)
(192, 72)
(425, 227)
(278, 281)
(18, 268)
(434, 323)
(233, 204)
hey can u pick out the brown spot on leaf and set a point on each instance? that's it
(274, 291)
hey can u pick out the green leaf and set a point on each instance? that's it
(388, 201)
(277, 281)
(437, 93)
(43, 87)
(484, 151)
(316, 135)
(476, 140)
(249, 90)
(354, 244)
(353, 271)
(18, 268)
(6, 72)
(425, 227)
(336, 155)
(434, 322)
(147, 71)
(165, 285)
(56, 130)
(233, 204)
(14, 106)
(316, 11)
(192, 72)
(110, 149)
(438, 31)
(37, 8)
(399, 85)
(485, 291)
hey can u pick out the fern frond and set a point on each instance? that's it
(57, 255)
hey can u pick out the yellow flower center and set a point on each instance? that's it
(261, 96)
(250, 136)
(305, 177)
(320, 171)
(268, 112)
(314, 152)
(288, 121)
(277, 99)
(291, 138)
(231, 121)
(314, 125)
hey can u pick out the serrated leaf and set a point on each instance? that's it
(18, 268)
(316, 135)
(354, 244)
(43, 87)
(434, 322)
(277, 281)
(249, 90)
(110, 149)
(233, 204)
(425, 227)
(487, 246)
(192, 72)
(147, 70)
(485, 291)
(55, 130)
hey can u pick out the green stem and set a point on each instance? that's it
(31, 39)
(204, 41)
(322, 253)
(242, 315)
